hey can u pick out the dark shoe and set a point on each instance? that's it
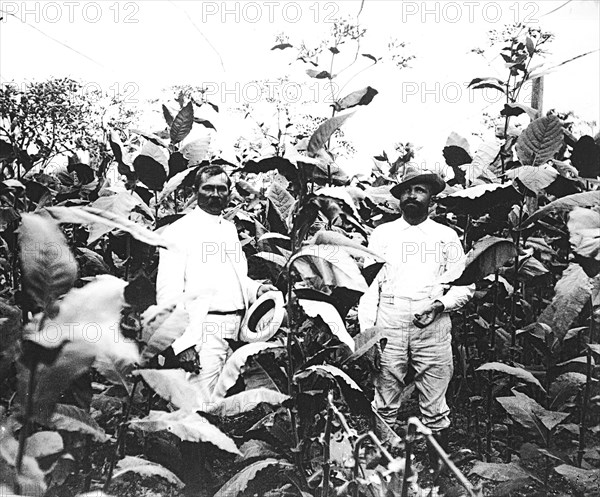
(442, 439)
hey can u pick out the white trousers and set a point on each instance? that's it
(428, 350)
(213, 349)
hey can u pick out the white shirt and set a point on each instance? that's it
(417, 257)
(208, 263)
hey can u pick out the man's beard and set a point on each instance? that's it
(413, 209)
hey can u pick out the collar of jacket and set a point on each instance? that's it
(211, 218)
(426, 226)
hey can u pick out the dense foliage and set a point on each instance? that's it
(87, 404)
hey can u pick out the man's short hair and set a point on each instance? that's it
(208, 172)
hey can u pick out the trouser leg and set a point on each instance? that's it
(214, 350)
(389, 382)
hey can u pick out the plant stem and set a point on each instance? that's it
(584, 408)
(121, 434)
(327, 439)
(27, 425)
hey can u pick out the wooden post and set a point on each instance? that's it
(537, 94)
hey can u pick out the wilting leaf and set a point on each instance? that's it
(330, 317)
(246, 401)
(145, 468)
(182, 124)
(572, 292)
(151, 166)
(332, 372)
(239, 483)
(188, 426)
(91, 215)
(160, 336)
(358, 97)
(487, 256)
(519, 373)
(564, 204)
(324, 132)
(234, 364)
(540, 141)
(174, 386)
(48, 266)
(73, 419)
(535, 178)
(499, 471)
(582, 479)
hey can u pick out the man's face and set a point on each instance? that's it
(415, 199)
(213, 194)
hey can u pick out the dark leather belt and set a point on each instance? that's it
(239, 312)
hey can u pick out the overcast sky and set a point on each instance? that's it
(139, 47)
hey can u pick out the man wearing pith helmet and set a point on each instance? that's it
(407, 299)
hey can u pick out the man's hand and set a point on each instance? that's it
(267, 287)
(429, 315)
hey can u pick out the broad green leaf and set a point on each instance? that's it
(151, 166)
(167, 115)
(488, 255)
(582, 479)
(196, 151)
(188, 426)
(280, 260)
(519, 373)
(528, 413)
(572, 292)
(234, 364)
(44, 443)
(545, 70)
(10, 325)
(564, 204)
(540, 141)
(456, 140)
(159, 336)
(151, 138)
(239, 483)
(324, 132)
(73, 419)
(174, 386)
(358, 97)
(175, 182)
(535, 178)
(333, 238)
(86, 327)
(32, 478)
(565, 386)
(584, 237)
(257, 449)
(48, 266)
(122, 204)
(182, 124)
(90, 215)
(281, 199)
(499, 471)
(328, 265)
(330, 317)
(145, 468)
(482, 160)
(283, 165)
(339, 194)
(246, 401)
(488, 82)
(332, 372)
(365, 340)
